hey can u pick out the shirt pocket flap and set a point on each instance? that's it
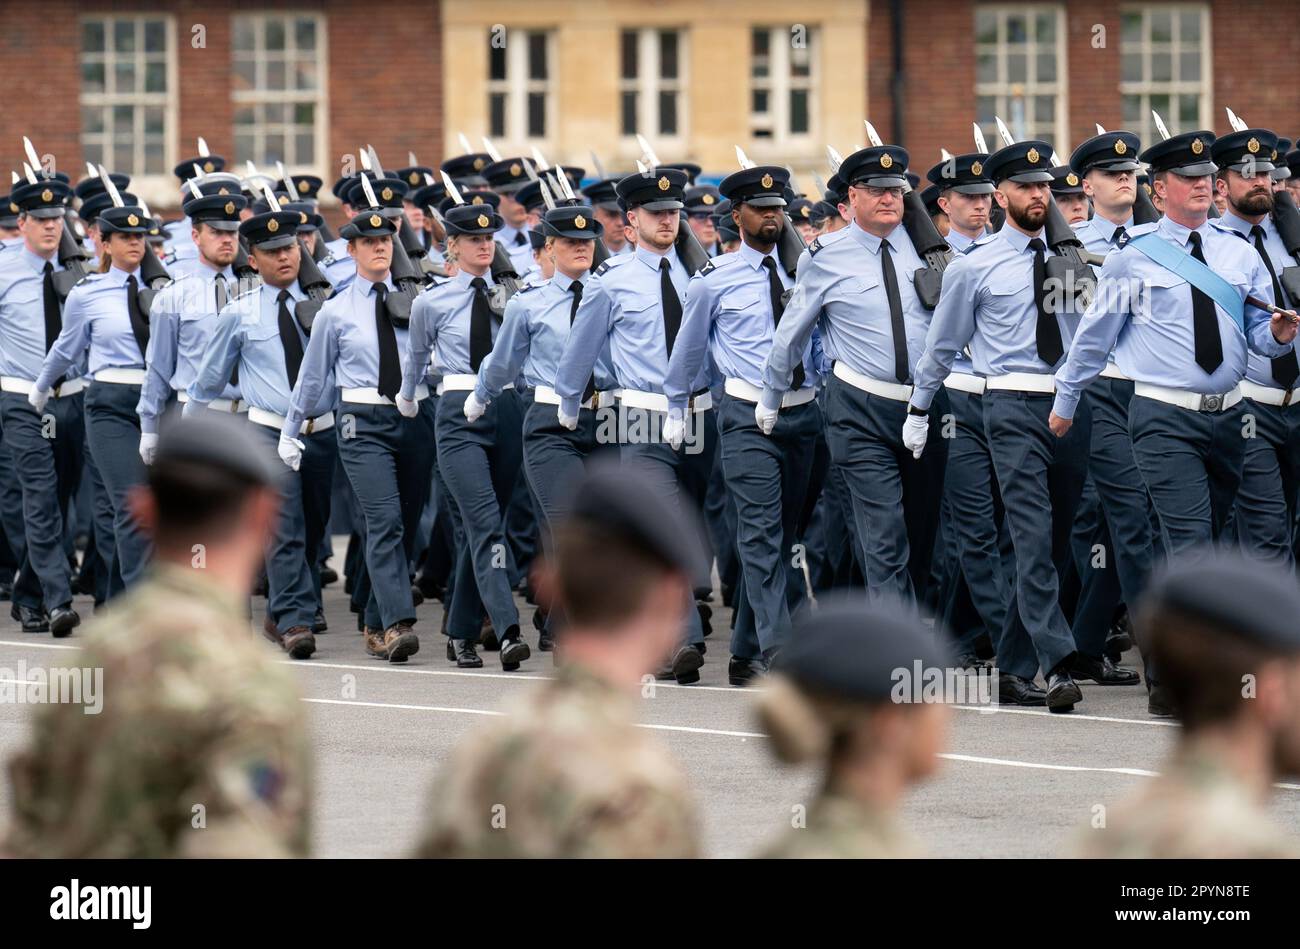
(740, 299)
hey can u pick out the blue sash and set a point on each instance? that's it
(1200, 276)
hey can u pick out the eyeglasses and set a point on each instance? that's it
(878, 193)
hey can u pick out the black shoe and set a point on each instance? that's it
(539, 619)
(328, 575)
(1016, 690)
(513, 650)
(1102, 671)
(83, 584)
(33, 621)
(487, 638)
(451, 650)
(686, 664)
(969, 660)
(706, 617)
(318, 624)
(63, 619)
(1062, 691)
(545, 642)
(1159, 703)
(465, 654)
(742, 672)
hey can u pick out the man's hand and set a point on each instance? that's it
(408, 408)
(765, 418)
(38, 397)
(1060, 426)
(568, 421)
(474, 409)
(290, 450)
(1283, 325)
(148, 445)
(674, 431)
(915, 431)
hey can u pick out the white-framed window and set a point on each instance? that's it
(520, 97)
(1165, 65)
(652, 83)
(278, 85)
(1020, 72)
(783, 81)
(128, 81)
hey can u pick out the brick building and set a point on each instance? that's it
(133, 85)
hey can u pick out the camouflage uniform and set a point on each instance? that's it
(1196, 809)
(842, 828)
(566, 774)
(196, 711)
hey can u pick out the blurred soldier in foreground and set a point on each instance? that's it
(1222, 630)
(833, 698)
(568, 773)
(199, 748)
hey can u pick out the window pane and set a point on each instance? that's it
(1160, 103)
(153, 158)
(1189, 26)
(1130, 67)
(92, 36)
(986, 67)
(986, 25)
(629, 53)
(496, 63)
(275, 74)
(1161, 26)
(1017, 29)
(92, 120)
(760, 102)
(245, 75)
(1161, 67)
(123, 155)
(536, 55)
(155, 77)
(153, 120)
(1189, 111)
(628, 110)
(1045, 27)
(761, 37)
(1130, 25)
(800, 61)
(245, 145)
(244, 115)
(155, 36)
(304, 34)
(274, 37)
(92, 77)
(798, 111)
(536, 115)
(497, 113)
(1189, 67)
(985, 108)
(1016, 67)
(304, 144)
(668, 54)
(1044, 109)
(1132, 111)
(124, 36)
(305, 75)
(273, 149)
(1045, 64)
(304, 113)
(667, 113)
(124, 76)
(273, 112)
(243, 33)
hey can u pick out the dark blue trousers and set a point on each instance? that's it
(388, 459)
(47, 456)
(479, 462)
(894, 497)
(1270, 476)
(113, 432)
(1041, 479)
(768, 477)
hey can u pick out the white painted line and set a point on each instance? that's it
(992, 710)
(1008, 763)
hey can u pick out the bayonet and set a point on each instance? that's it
(1235, 121)
(836, 159)
(451, 188)
(981, 146)
(271, 199)
(648, 152)
(542, 163)
(945, 155)
(1160, 124)
(600, 169)
(375, 166)
(546, 195)
(365, 160)
(410, 159)
(491, 149)
(33, 157)
(742, 158)
(31, 175)
(203, 148)
(872, 137)
(1100, 130)
(370, 192)
(464, 143)
(1004, 133)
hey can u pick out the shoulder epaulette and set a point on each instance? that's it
(602, 268)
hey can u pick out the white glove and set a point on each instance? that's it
(766, 418)
(38, 397)
(290, 450)
(568, 421)
(474, 409)
(674, 431)
(407, 407)
(148, 445)
(915, 431)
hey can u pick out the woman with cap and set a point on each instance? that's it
(104, 318)
(841, 695)
(478, 457)
(531, 338)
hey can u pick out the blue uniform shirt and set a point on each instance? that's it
(621, 306)
(440, 325)
(181, 320)
(338, 265)
(841, 289)
(1098, 234)
(1144, 313)
(22, 314)
(959, 241)
(531, 339)
(987, 301)
(95, 319)
(728, 313)
(247, 333)
(344, 341)
(521, 252)
(1258, 368)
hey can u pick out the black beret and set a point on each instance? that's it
(1253, 600)
(215, 440)
(621, 500)
(853, 648)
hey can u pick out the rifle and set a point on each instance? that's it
(1287, 218)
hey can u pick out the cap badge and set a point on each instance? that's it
(1197, 146)
(208, 166)
(478, 164)
(387, 194)
(375, 220)
(886, 161)
(273, 225)
(1071, 179)
(483, 220)
(223, 191)
(804, 210)
(1120, 147)
(303, 215)
(709, 199)
(304, 187)
(13, 207)
(413, 177)
(47, 195)
(663, 183)
(476, 200)
(1273, 157)
(1032, 156)
(230, 207)
(515, 170)
(579, 222)
(766, 182)
(1252, 145)
(132, 220)
(976, 168)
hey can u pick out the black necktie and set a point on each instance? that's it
(776, 291)
(480, 324)
(139, 323)
(223, 296)
(53, 313)
(520, 238)
(1048, 331)
(1205, 321)
(390, 364)
(576, 289)
(896, 324)
(1285, 368)
(1120, 237)
(290, 339)
(672, 305)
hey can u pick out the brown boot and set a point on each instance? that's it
(401, 642)
(270, 631)
(375, 644)
(299, 642)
